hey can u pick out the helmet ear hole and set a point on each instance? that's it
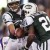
(28, 12)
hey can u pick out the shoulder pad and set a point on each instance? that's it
(9, 14)
(40, 13)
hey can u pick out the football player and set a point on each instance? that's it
(12, 21)
(37, 24)
(29, 9)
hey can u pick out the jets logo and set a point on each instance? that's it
(28, 6)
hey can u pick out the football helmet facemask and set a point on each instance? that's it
(29, 8)
(13, 5)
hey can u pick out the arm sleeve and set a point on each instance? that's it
(7, 19)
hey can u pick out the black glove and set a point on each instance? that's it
(17, 23)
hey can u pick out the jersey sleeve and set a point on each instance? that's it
(27, 21)
(7, 19)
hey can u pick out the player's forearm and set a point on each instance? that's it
(30, 40)
(11, 29)
(31, 36)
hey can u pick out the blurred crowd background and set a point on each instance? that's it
(43, 5)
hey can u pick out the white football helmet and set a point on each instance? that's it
(13, 4)
(29, 8)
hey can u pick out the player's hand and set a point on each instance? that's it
(19, 32)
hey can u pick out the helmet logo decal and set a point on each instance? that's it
(28, 6)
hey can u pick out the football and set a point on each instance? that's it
(19, 32)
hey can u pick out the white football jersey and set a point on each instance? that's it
(7, 18)
(5, 41)
(27, 21)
